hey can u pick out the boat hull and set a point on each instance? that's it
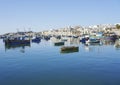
(17, 42)
(59, 43)
(69, 49)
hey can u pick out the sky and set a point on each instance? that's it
(39, 15)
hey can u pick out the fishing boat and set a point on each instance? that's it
(69, 49)
(17, 41)
(46, 38)
(83, 40)
(36, 40)
(58, 37)
(10, 46)
(112, 37)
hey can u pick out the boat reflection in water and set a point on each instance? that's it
(105, 42)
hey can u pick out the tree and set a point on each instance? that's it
(117, 26)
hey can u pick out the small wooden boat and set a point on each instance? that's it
(69, 49)
(58, 43)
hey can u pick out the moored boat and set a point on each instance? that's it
(94, 40)
(83, 40)
(75, 36)
(10, 46)
(36, 40)
(17, 41)
(46, 38)
(69, 49)
(58, 43)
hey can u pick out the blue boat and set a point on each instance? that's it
(36, 40)
(17, 41)
(11, 46)
(83, 40)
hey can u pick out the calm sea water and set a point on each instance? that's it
(43, 64)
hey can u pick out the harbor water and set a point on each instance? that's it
(43, 64)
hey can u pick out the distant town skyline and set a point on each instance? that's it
(38, 15)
